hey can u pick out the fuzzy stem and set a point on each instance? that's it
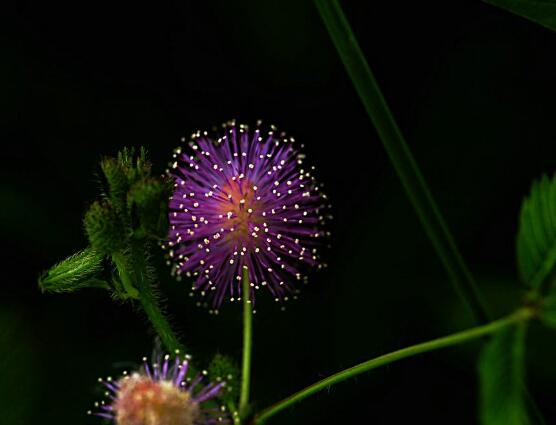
(454, 339)
(400, 155)
(120, 262)
(150, 304)
(247, 345)
(139, 281)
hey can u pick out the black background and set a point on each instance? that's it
(473, 90)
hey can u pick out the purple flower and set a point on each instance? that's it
(244, 200)
(161, 394)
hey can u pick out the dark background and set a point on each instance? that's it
(473, 90)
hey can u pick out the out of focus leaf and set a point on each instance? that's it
(223, 368)
(548, 311)
(21, 384)
(536, 239)
(541, 12)
(76, 272)
(501, 367)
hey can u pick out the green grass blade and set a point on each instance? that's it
(540, 12)
(400, 155)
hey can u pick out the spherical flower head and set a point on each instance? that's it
(244, 200)
(161, 395)
(142, 401)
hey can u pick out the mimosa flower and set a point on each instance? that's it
(244, 200)
(161, 394)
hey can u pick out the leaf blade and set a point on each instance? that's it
(536, 238)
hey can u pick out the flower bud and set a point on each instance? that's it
(105, 229)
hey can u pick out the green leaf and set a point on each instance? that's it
(548, 311)
(541, 12)
(501, 370)
(78, 271)
(536, 239)
(223, 368)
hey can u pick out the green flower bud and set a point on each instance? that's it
(135, 168)
(118, 184)
(105, 228)
(149, 198)
(78, 271)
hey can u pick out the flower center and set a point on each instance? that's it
(142, 401)
(240, 210)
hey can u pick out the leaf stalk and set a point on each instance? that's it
(518, 316)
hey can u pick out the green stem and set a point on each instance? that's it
(454, 339)
(120, 262)
(150, 304)
(135, 278)
(400, 155)
(247, 346)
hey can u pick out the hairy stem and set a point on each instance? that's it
(134, 274)
(400, 155)
(150, 304)
(121, 263)
(454, 339)
(247, 345)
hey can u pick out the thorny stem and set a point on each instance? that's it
(400, 155)
(520, 315)
(247, 345)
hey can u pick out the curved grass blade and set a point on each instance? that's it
(400, 155)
